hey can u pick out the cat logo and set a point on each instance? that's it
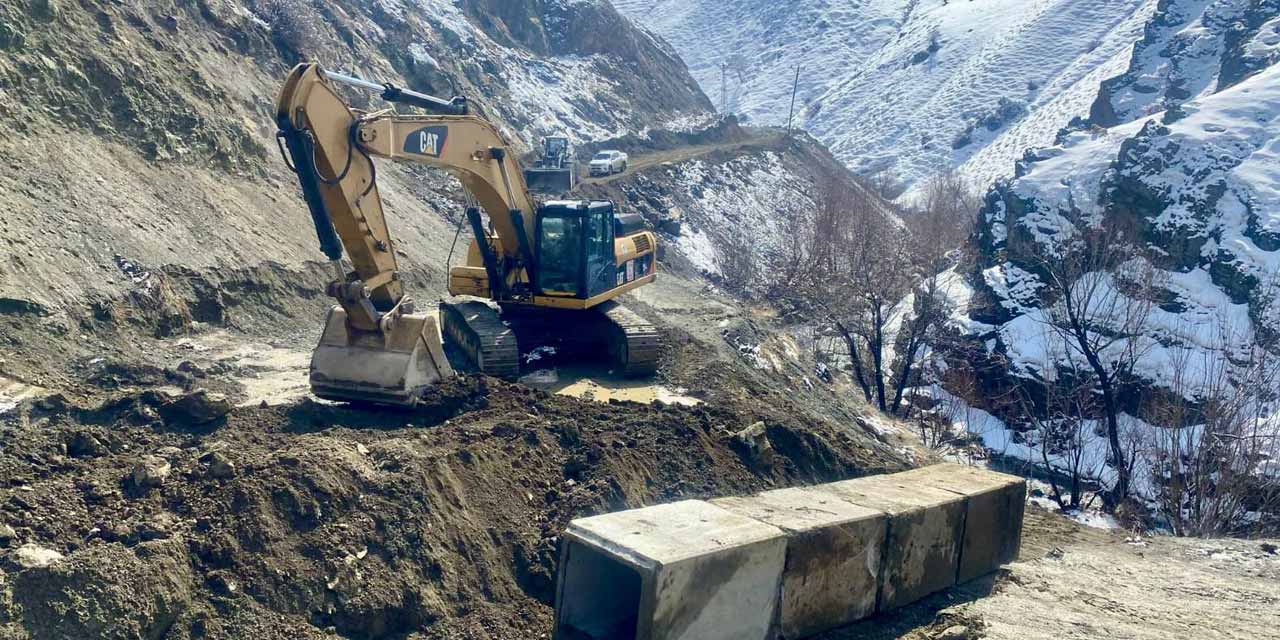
(427, 141)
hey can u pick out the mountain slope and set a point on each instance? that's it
(167, 108)
(911, 85)
(1192, 176)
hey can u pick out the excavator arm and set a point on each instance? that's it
(374, 347)
(333, 148)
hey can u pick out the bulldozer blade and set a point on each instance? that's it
(390, 369)
(550, 181)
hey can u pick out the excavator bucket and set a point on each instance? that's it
(393, 368)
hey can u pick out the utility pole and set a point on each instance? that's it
(724, 88)
(794, 88)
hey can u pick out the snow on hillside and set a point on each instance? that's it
(1216, 172)
(912, 85)
(735, 207)
(562, 91)
(1191, 163)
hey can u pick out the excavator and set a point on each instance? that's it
(540, 276)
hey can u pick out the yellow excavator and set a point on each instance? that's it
(541, 277)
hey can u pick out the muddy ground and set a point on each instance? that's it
(178, 514)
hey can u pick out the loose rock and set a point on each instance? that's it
(754, 442)
(144, 415)
(33, 556)
(151, 472)
(169, 452)
(85, 445)
(219, 465)
(7, 535)
(53, 403)
(196, 408)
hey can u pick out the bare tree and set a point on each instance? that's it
(857, 269)
(870, 277)
(1057, 413)
(790, 263)
(1101, 299)
(938, 229)
(886, 182)
(945, 218)
(1216, 434)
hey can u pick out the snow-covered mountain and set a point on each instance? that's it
(1194, 167)
(1188, 167)
(912, 85)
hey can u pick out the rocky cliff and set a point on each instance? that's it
(1181, 155)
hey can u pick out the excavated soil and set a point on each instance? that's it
(308, 519)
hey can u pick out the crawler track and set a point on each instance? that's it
(495, 342)
(476, 329)
(634, 343)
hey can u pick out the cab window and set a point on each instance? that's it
(560, 254)
(602, 266)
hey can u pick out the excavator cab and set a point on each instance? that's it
(575, 249)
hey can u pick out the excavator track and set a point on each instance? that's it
(608, 331)
(495, 342)
(634, 343)
(478, 330)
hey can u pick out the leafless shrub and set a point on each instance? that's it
(1214, 462)
(740, 265)
(1063, 435)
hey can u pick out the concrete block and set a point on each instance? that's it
(993, 520)
(833, 556)
(925, 524)
(682, 571)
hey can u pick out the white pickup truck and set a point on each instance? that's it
(607, 163)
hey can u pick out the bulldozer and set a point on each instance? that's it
(538, 275)
(555, 171)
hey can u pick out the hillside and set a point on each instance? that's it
(911, 86)
(165, 473)
(1180, 156)
(143, 136)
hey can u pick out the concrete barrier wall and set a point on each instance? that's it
(688, 570)
(784, 564)
(922, 542)
(995, 504)
(833, 557)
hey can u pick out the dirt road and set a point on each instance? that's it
(1079, 583)
(641, 162)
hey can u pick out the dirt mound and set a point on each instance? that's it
(287, 521)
